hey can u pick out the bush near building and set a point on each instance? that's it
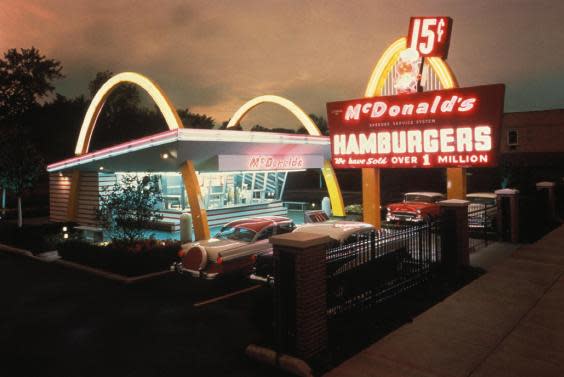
(129, 207)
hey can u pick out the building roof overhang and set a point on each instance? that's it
(201, 146)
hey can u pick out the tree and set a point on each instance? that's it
(123, 99)
(21, 165)
(224, 124)
(320, 122)
(193, 120)
(130, 206)
(26, 78)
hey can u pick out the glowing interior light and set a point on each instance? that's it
(65, 229)
(164, 156)
(66, 236)
(101, 168)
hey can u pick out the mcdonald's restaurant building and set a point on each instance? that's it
(215, 175)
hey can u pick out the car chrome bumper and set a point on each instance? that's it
(413, 219)
(177, 267)
(268, 280)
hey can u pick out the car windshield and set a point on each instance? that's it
(420, 198)
(485, 201)
(236, 234)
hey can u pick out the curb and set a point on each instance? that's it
(17, 251)
(80, 267)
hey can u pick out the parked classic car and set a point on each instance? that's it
(415, 207)
(482, 210)
(233, 249)
(340, 231)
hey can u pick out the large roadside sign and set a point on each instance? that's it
(445, 128)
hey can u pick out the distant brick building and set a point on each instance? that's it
(533, 132)
(532, 146)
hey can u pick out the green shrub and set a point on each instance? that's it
(130, 206)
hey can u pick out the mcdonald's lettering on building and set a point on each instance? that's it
(446, 128)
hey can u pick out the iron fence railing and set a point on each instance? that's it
(482, 225)
(379, 265)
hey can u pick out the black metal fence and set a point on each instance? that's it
(380, 264)
(482, 226)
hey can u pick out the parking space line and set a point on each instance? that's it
(226, 296)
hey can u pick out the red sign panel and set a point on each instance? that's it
(430, 36)
(444, 128)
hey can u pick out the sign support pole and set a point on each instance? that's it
(456, 183)
(371, 196)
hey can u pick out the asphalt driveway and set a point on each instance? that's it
(59, 322)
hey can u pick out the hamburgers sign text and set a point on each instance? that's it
(448, 128)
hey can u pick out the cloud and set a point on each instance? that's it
(212, 56)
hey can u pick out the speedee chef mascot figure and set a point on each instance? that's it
(406, 73)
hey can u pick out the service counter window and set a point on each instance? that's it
(173, 192)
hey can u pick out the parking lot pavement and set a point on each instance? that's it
(60, 322)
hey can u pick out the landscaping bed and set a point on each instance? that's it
(35, 238)
(123, 258)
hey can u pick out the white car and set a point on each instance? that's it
(482, 210)
(233, 249)
(340, 231)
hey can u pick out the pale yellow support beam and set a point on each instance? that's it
(371, 197)
(337, 205)
(199, 214)
(72, 206)
(335, 195)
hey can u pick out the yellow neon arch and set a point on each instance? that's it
(329, 175)
(155, 92)
(390, 57)
(304, 119)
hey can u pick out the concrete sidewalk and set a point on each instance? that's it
(509, 322)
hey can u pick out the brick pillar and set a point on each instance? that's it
(454, 234)
(300, 294)
(550, 188)
(508, 214)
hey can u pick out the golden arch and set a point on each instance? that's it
(389, 59)
(456, 178)
(162, 101)
(333, 188)
(167, 109)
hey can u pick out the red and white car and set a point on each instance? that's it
(416, 207)
(233, 249)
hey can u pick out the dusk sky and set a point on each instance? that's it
(212, 56)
